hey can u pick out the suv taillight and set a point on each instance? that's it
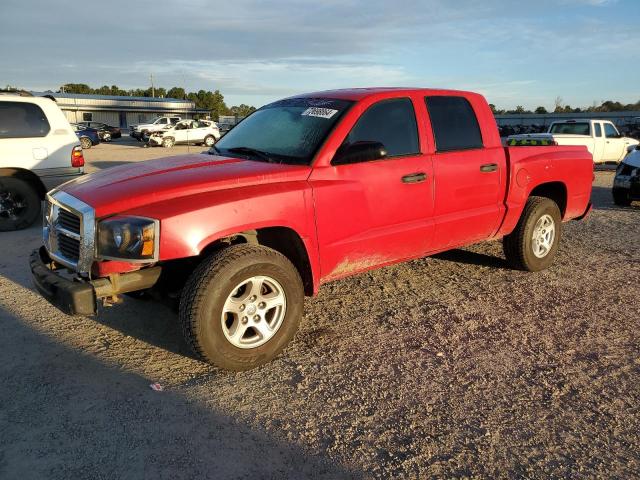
(77, 158)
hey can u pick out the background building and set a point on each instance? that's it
(120, 111)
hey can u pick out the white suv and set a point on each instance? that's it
(189, 132)
(38, 151)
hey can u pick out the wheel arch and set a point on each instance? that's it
(555, 191)
(27, 176)
(282, 239)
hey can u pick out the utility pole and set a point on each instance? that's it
(153, 91)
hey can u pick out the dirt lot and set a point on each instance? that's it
(448, 366)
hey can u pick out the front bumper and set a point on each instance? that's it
(73, 298)
(80, 297)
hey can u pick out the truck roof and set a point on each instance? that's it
(356, 94)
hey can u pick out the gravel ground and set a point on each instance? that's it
(449, 366)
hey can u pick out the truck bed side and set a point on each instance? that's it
(564, 169)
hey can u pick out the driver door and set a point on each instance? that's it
(379, 211)
(614, 146)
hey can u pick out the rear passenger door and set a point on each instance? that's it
(467, 205)
(598, 144)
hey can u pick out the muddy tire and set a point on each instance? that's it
(534, 242)
(168, 142)
(241, 307)
(19, 204)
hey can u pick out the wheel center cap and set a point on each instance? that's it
(251, 309)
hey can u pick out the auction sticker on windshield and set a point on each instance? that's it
(319, 112)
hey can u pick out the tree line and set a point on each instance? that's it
(560, 107)
(204, 99)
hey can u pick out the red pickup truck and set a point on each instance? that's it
(303, 191)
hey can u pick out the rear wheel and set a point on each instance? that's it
(534, 242)
(19, 204)
(168, 142)
(86, 143)
(209, 140)
(242, 306)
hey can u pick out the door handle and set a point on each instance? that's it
(414, 177)
(489, 167)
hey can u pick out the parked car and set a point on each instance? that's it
(626, 183)
(105, 132)
(141, 131)
(187, 132)
(38, 151)
(304, 191)
(601, 137)
(88, 136)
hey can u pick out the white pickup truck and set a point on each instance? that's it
(601, 138)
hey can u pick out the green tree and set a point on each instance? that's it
(242, 110)
(541, 110)
(176, 92)
(82, 88)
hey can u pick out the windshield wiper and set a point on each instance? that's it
(253, 152)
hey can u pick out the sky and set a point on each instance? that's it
(515, 53)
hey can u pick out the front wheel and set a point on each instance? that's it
(534, 242)
(167, 142)
(19, 204)
(242, 306)
(86, 143)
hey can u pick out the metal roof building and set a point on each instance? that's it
(120, 111)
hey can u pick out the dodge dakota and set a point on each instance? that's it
(305, 190)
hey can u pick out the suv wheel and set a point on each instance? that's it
(242, 306)
(19, 204)
(167, 142)
(209, 140)
(534, 242)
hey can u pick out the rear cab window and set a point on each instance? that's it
(598, 129)
(574, 128)
(454, 124)
(22, 120)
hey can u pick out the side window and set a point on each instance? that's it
(22, 120)
(454, 123)
(391, 123)
(598, 129)
(162, 121)
(87, 116)
(610, 131)
(175, 120)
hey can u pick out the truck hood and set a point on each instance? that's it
(130, 186)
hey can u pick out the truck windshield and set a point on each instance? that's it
(287, 131)
(570, 128)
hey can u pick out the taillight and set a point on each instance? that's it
(77, 158)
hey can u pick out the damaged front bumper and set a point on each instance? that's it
(77, 296)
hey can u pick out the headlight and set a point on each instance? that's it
(128, 238)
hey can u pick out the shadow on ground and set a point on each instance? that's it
(65, 415)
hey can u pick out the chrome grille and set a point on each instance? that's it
(68, 231)
(69, 221)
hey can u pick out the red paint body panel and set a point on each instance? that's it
(350, 218)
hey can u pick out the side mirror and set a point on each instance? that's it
(359, 152)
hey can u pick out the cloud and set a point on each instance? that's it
(254, 50)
